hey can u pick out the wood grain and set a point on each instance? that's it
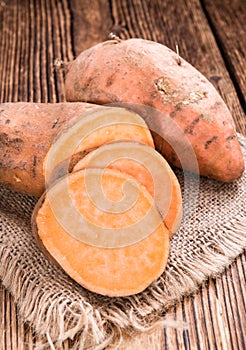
(34, 33)
(91, 23)
(221, 14)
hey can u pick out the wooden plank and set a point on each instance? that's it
(182, 334)
(34, 33)
(170, 334)
(5, 44)
(230, 38)
(2, 318)
(36, 38)
(31, 40)
(91, 23)
(233, 290)
(187, 26)
(207, 292)
(152, 340)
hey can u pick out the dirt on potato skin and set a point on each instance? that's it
(141, 72)
(27, 130)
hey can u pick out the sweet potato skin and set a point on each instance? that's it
(27, 131)
(138, 71)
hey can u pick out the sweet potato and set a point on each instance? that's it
(129, 245)
(138, 71)
(99, 126)
(27, 131)
(149, 168)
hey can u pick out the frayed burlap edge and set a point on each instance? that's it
(230, 244)
(53, 315)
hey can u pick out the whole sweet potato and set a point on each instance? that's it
(143, 72)
(27, 131)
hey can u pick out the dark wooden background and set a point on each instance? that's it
(211, 35)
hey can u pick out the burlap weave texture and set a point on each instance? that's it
(212, 235)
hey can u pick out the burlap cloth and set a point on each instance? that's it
(212, 235)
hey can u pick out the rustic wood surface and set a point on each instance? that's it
(211, 35)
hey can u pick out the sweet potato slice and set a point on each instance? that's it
(95, 128)
(128, 246)
(149, 168)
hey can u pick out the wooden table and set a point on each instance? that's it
(211, 35)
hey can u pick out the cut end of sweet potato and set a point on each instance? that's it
(93, 129)
(120, 270)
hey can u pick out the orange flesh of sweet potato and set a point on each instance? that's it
(95, 128)
(27, 131)
(120, 271)
(149, 168)
(138, 71)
